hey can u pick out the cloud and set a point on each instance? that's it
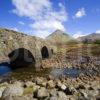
(98, 31)
(79, 34)
(14, 28)
(80, 13)
(44, 18)
(21, 23)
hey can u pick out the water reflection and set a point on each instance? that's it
(30, 71)
(27, 72)
(4, 70)
(71, 72)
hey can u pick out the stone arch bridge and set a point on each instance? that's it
(21, 50)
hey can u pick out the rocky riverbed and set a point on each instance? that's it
(74, 83)
(84, 87)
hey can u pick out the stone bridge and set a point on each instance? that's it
(23, 50)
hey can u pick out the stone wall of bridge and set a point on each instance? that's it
(17, 47)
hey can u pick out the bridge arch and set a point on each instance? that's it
(21, 57)
(44, 52)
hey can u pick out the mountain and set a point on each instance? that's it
(59, 37)
(90, 38)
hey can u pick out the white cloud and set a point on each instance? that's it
(14, 28)
(78, 34)
(21, 23)
(43, 15)
(30, 8)
(98, 31)
(47, 24)
(80, 13)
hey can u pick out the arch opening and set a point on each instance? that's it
(44, 52)
(21, 57)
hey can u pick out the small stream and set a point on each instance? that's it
(56, 72)
(24, 73)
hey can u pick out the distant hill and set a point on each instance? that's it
(90, 38)
(59, 37)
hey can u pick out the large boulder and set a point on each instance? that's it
(13, 90)
(1, 91)
(26, 97)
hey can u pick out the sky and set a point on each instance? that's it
(42, 17)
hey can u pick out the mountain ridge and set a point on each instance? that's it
(90, 38)
(59, 37)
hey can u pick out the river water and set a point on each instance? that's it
(4, 70)
(26, 72)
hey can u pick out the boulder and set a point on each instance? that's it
(18, 83)
(35, 88)
(50, 84)
(53, 98)
(88, 94)
(13, 90)
(1, 91)
(63, 87)
(39, 81)
(53, 92)
(29, 84)
(70, 90)
(0, 94)
(26, 97)
(62, 96)
(42, 93)
(9, 97)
